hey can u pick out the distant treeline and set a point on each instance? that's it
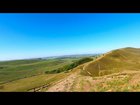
(70, 66)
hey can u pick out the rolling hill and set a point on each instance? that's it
(18, 69)
(117, 70)
(114, 61)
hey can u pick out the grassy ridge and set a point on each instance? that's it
(115, 61)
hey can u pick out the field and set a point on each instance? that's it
(14, 70)
(27, 84)
(23, 75)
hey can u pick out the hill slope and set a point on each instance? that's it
(118, 70)
(114, 61)
(116, 82)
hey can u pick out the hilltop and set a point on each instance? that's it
(114, 61)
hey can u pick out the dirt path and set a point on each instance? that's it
(76, 85)
(113, 82)
(87, 64)
(65, 84)
(127, 80)
(74, 82)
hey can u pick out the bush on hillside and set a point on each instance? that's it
(70, 66)
(1, 67)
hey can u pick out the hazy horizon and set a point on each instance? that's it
(36, 35)
(26, 58)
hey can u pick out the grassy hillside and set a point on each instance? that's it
(27, 84)
(114, 61)
(118, 70)
(14, 70)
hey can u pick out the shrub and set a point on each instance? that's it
(1, 67)
(70, 66)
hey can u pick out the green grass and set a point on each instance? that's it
(31, 82)
(14, 70)
(70, 66)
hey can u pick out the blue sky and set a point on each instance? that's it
(48, 34)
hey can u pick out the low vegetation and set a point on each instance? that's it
(70, 66)
(30, 83)
(18, 69)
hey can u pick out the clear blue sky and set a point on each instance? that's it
(41, 35)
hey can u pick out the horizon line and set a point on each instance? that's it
(49, 56)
